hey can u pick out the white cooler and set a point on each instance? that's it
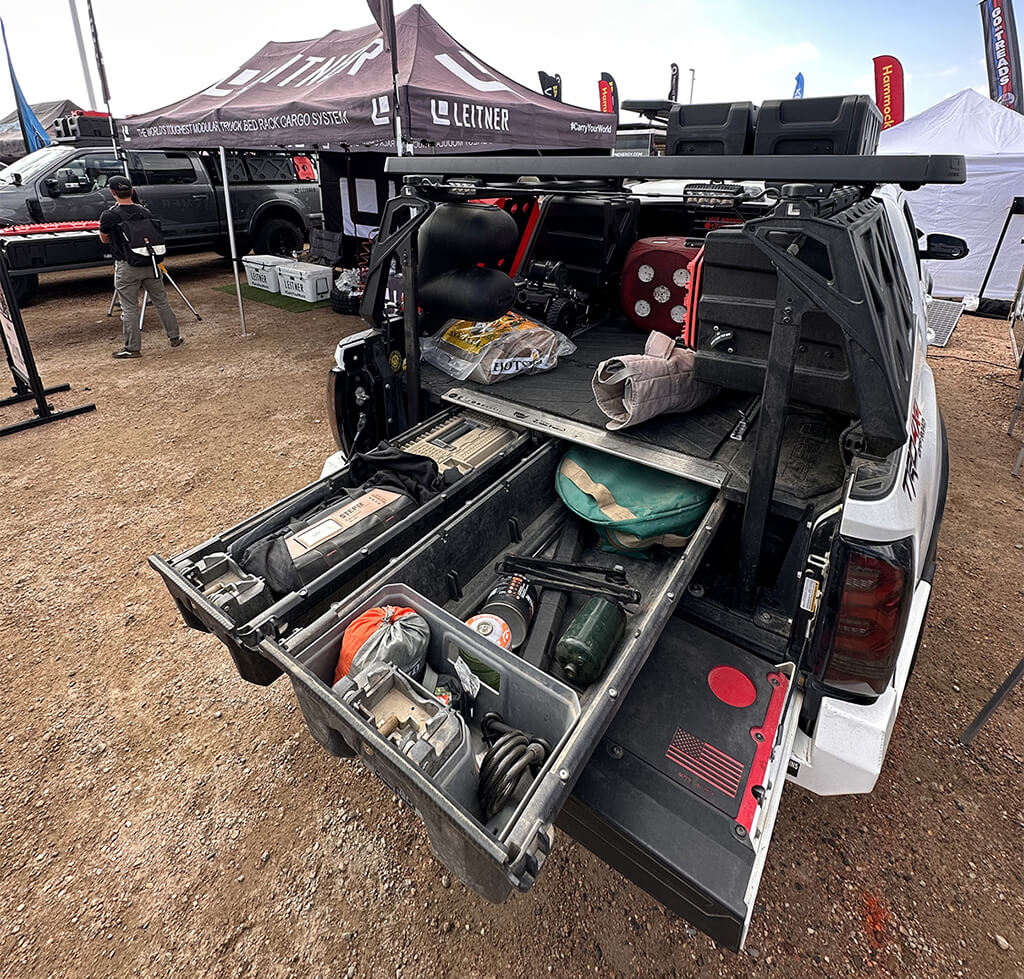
(261, 271)
(303, 280)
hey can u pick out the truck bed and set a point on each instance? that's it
(696, 444)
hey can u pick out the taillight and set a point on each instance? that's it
(862, 626)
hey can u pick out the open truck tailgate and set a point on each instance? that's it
(682, 792)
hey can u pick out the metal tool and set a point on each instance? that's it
(584, 579)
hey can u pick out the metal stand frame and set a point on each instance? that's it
(1016, 207)
(27, 384)
(998, 697)
(145, 298)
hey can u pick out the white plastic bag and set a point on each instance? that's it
(493, 351)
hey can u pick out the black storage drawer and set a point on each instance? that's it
(449, 573)
(215, 594)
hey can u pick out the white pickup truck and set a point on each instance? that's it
(775, 646)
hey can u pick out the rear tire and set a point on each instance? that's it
(25, 287)
(278, 236)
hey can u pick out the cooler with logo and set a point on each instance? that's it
(303, 280)
(261, 271)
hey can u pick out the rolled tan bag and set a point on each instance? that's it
(632, 388)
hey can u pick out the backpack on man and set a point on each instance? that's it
(144, 241)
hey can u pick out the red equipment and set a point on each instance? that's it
(656, 283)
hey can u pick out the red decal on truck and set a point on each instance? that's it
(918, 427)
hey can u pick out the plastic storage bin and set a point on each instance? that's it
(523, 695)
(261, 271)
(453, 569)
(842, 124)
(302, 280)
(715, 129)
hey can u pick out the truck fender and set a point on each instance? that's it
(277, 208)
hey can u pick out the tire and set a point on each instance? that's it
(278, 236)
(561, 316)
(345, 303)
(25, 287)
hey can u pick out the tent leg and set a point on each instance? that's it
(231, 236)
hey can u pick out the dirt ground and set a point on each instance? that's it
(160, 817)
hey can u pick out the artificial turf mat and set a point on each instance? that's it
(274, 299)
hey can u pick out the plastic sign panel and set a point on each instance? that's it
(889, 90)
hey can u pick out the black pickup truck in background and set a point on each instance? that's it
(275, 199)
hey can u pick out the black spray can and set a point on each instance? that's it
(592, 636)
(512, 599)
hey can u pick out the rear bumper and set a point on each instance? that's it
(846, 752)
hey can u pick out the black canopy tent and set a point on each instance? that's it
(336, 94)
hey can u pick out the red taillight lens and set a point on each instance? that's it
(869, 622)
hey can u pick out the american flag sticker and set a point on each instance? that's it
(699, 758)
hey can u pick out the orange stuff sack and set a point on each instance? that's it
(385, 634)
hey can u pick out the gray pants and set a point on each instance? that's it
(127, 280)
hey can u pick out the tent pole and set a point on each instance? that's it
(81, 54)
(231, 236)
(398, 118)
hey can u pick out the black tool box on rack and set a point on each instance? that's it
(841, 124)
(712, 129)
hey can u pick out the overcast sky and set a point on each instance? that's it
(159, 52)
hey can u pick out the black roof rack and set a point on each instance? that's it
(908, 171)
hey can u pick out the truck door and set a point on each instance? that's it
(76, 190)
(177, 190)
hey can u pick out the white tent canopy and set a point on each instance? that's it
(991, 137)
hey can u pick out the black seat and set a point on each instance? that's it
(459, 245)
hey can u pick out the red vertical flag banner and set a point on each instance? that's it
(608, 96)
(889, 90)
(1002, 54)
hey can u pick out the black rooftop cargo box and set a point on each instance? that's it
(837, 125)
(716, 129)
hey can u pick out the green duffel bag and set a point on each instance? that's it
(632, 507)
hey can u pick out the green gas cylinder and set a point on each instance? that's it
(589, 641)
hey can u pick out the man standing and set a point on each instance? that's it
(128, 278)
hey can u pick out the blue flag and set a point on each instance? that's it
(798, 92)
(31, 128)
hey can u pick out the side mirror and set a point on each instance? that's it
(944, 248)
(53, 186)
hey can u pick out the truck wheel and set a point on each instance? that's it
(278, 236)
(25, 287)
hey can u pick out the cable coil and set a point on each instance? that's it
(511, 752)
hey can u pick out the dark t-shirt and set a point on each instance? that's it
(109, 221)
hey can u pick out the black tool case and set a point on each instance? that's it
(245, 611)
(450, 570)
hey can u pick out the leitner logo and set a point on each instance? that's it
(468, 115)
(313, 69)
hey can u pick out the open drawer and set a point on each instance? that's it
(450, 572)
(216, 591)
